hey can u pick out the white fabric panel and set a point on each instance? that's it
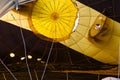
(110, 78)
(7, 5)
(25, 1)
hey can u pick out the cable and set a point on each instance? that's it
(25, 51)
(119, 62)
(47, 60)
(26, 60)
(24, 45)
(8, 69)
(98, 78)
(67, 75)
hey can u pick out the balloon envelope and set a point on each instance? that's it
(96, 35)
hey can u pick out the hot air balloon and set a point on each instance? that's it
(96, 35)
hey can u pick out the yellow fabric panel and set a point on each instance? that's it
(54, 19)
(103, 44)
(18, 18)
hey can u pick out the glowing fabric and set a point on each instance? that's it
(98, 42)
(53, 19)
